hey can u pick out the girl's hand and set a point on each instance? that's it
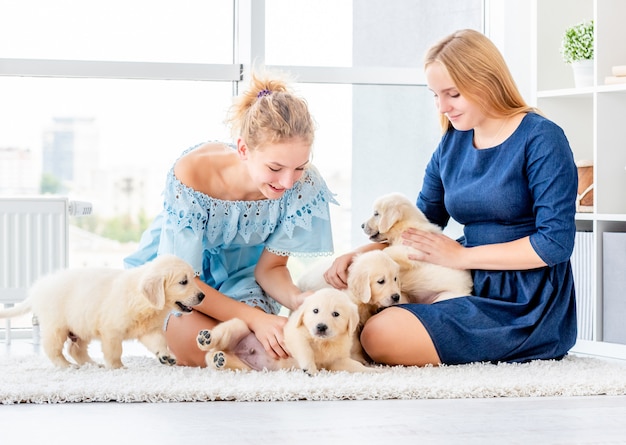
(337, 274)
(268, 329)
(435, 248)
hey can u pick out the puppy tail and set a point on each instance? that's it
(20, 309)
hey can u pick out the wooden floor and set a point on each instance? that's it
(550, 420)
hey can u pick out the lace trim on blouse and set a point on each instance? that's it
(212, 217)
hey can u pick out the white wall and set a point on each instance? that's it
(508, 24)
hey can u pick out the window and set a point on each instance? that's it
(190, 31)
(308, 33)
(117, 90)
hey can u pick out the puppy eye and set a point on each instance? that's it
(381, 281)
(375, 213)
(184, 282)
(335, 314)
(316, 310)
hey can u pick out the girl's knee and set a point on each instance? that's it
(181, 333)
(172, 314)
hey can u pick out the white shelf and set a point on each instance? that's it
(592, 120)
(566, 92)
(611, 217)
(585, 217)
(575, 92)
(611, 88)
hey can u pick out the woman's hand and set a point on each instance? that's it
(268, 329)
(337, 273)
(435, 248)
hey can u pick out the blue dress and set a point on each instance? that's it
(524, 187)
(223, 240)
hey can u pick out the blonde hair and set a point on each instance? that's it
(479, 72)
(269, 112)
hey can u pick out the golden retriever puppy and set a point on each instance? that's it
(373, 284)
(318, 335)
(373, 281)
(111, 305)
(421, 282)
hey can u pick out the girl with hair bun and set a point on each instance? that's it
(237, 212)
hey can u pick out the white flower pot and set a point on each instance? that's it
(583, 73)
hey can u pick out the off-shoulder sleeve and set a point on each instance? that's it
(304, 228)
(184, 223)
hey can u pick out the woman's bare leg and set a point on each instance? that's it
(397, 337)
(181, 333)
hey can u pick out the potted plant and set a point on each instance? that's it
(577, 50)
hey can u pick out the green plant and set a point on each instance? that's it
(577, 43)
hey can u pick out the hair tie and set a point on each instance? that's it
(263, 93)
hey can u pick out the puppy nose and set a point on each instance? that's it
(200, 296)
(321, 328)
(395, 298)
(363, 226)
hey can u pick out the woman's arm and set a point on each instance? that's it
(439, 249)
(275, 279)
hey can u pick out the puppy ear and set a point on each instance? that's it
(359, 284)
(388, 217)
(353, 319)
(153, 288)
(299, 316)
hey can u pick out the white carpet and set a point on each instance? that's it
(32, 379)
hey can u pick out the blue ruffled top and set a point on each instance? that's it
(223, 240)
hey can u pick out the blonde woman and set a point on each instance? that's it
(507, 174)
(237, 213)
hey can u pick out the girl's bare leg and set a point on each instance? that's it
(181, 333)
(396, 337)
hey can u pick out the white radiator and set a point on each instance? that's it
(34, 237)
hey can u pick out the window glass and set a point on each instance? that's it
(331, 107)
(308, 33)
(109, 142)
(120, 30)
(375, 33)
(394, 128)
(396, 131)
(398, 36)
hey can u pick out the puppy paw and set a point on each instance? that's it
(219, 360)
(310, 370)
(204, 339)
(166, 359)
(114, 365)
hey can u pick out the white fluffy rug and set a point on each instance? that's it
(33, 379)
